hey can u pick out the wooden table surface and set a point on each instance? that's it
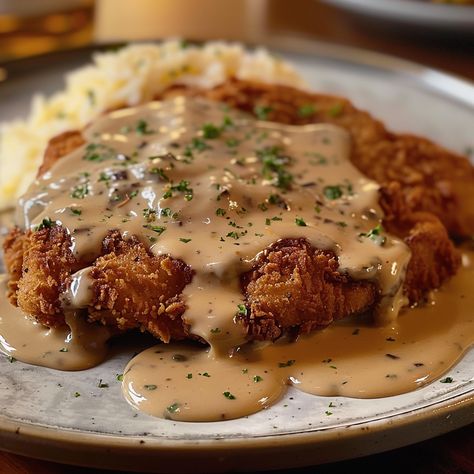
(450, 453)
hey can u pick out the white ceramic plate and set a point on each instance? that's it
(41, 417)
(458, 19)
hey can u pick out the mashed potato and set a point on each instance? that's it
(129, 76)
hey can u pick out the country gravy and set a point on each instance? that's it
(212, 186)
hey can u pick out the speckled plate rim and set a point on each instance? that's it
(93, 449)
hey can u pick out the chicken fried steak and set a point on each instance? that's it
(297, 282)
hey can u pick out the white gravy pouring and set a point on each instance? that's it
(351, 358)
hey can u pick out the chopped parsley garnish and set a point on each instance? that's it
(268, 221)
(98, 152)
(375, 234)
(182, 187)
(277, 200)
(228, 395)
(332, 192)
(227, 122)
(189, 376)
(46, 223)
(300, 221)
(317, 159)
(160, 173)
(447, 380)
(142, 128)
(220, 212)
(150, 214)
(262, 111)
(173, 408)
(104, 177)
(274, 165)
(75, 211)
(245, 371)
(306, 110)
(167, 212)
(119, 377)
(210, 131)
(257, 378)
(150, 387)
(233, 235)
(328, 413)
(64, 349)
(102, 385)
(232, 142)
(288, 363)
(155, 228)
(197, 144)
(185, 241)
(204, 374)
(11, 359)
(80, 191)
(77, 394)
(392, 356)
(215, 331)
(241, 310)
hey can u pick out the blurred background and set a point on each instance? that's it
(439, 35)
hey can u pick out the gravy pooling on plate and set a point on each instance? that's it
(352, 358)
(214, 187)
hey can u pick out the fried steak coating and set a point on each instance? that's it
(58, 147)
(131, 287)
(134, 289)
(293, 286)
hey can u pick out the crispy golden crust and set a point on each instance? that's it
(58, 147)
(13, 249)
(134, 289)
(292, 286)
(46, 269)
(434, 257)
